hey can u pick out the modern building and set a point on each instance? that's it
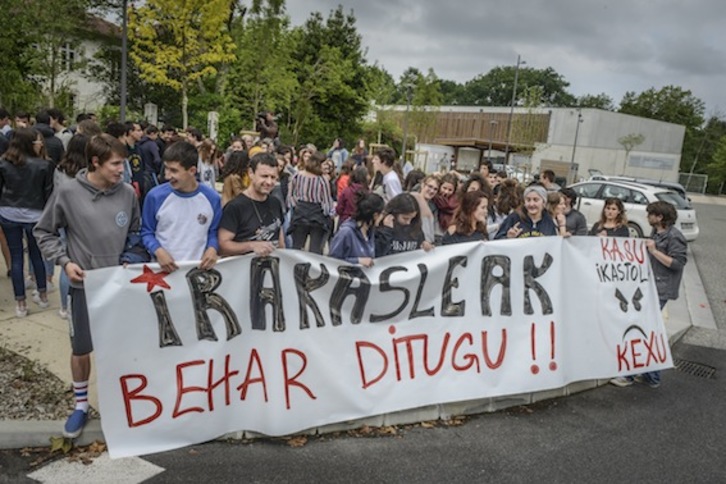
(573, 142)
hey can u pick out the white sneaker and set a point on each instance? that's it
(50, 287)
(43, 304)
(63, 313)
(21, 312)
(622, 381)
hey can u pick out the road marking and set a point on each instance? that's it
(129, 470)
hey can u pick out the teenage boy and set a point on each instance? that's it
(98, 212)
(181, 217)
(667, 250)
(252, 221)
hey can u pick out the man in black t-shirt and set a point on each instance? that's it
(252, 222)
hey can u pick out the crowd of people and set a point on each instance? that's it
(83, 198)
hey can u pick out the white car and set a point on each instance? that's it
(591, 196)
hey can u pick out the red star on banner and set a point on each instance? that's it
(152, 279)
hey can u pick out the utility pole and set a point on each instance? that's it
(511, 110)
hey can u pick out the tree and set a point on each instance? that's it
(597, 101)
(263, 77)
(628, 142)
(380, 86)
(717, 167)
(528, 130)
(426, 99)
(331, 72)
(452, 92)
(40, 42)
(495, 87)
(672, 104)
(177, 44)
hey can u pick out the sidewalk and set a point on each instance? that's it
(43, 336)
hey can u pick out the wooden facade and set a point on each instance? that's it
(478, 129)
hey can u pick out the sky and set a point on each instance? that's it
(598, 46)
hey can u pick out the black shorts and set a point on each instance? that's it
(80, 328)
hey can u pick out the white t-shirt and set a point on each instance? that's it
(391, 186)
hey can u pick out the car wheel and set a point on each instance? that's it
(635, 230)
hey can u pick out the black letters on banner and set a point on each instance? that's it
(202, 285)
(343, 289)
(415, 312)
(489, 280)
(304, 284)
(531, 272)
(261, 296)
(385, 286)
(167, 333)
(449, 308)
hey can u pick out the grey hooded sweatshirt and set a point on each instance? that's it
(96, 222)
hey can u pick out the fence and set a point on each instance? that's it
(693, 182)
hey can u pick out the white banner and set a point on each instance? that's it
(281, 344)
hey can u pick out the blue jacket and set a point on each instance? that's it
(349, 243)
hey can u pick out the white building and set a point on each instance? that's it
(87, 95)
(542, 138)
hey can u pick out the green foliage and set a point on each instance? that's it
(526, 128)
(380, 86)
(384, 130)
(452, 92)
(495, 87)
(263, 77)
(672, 104)
(716, 168)
(598, 101)
(175, 44)
(32, 35)
(630, 141)
(330, 99)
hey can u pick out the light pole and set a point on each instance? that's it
(574, 147)
(492, 125)
(405, 122)
(124, 54)
(511, 110)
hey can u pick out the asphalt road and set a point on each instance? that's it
(708, 252)
(676, 433)
(635, 434)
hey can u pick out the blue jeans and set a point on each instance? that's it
(14, 234)
(654, 376)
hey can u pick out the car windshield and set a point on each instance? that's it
(673, 198)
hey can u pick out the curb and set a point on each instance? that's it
(17, 434)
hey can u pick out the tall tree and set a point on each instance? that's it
(598, 101)
(672, 104)
(177, 44)
(331, 69)
(495, 87)
(263, 77)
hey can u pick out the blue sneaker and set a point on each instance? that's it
(75, 423)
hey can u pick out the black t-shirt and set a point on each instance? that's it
(621, 231)
(251, 220)
(457, 238)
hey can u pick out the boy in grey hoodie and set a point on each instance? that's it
(98, 211)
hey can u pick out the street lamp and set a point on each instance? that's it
(409, 93)
(492, 125)
(574, 146)
(511, 110)
(124, 53)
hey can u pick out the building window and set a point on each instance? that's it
(69, 57)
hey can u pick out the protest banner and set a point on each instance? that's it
(293, 341)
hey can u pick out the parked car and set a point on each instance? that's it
(676, 187)
(591, 196)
